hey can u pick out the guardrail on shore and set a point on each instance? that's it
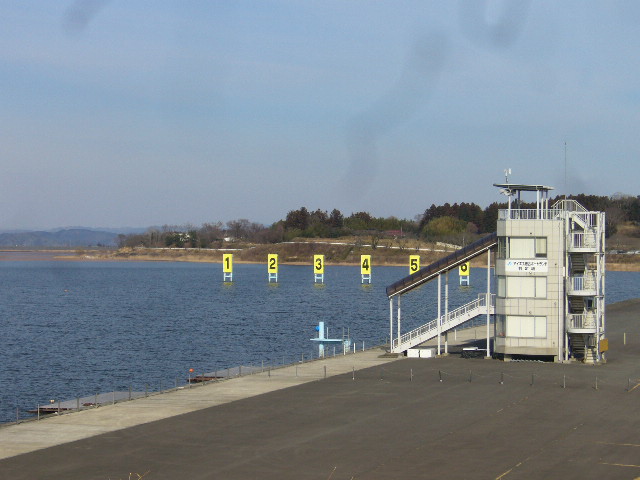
(191, 380)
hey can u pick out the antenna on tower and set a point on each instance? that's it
(565, 170)
(507, 172)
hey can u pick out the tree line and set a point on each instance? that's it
(448, 222)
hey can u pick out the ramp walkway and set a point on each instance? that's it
(455, 318)
(449, 262)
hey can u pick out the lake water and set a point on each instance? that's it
(72, 329)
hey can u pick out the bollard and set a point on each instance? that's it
(38, 411)
(411, 375)
(564, 381)
(501, 378)
(624, 338)
(363, 345)
(334, 351)
(353, 373)
(596, 383)
(440, 375)
(470, 376)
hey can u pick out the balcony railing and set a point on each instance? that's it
(582, 321)
(582, 283)
(528, 214)
(586, 240)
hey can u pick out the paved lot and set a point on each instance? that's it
(395, 420)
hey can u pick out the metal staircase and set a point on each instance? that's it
(580, 350)
(447, 322)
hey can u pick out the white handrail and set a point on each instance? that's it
(444, 321)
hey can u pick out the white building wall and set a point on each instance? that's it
(551, 307)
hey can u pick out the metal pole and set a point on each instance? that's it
(439, 311)
(488, 300)
(390, 325)
(446, 310)
(399, 297)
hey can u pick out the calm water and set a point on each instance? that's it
(73, 329)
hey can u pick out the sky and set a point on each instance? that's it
(117, 113)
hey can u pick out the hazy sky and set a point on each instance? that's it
(119, 113)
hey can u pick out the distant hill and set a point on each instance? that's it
(71, 237)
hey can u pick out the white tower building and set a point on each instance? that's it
(550, 272)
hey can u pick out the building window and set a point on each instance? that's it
(499, 326)
(541, 247)
(522, 287)
(522, 247)
(525, 327)
(502, 247)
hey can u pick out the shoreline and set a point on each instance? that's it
(193, 257)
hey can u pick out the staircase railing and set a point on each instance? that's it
(447, 322)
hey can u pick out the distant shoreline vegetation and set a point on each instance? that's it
(457, 224)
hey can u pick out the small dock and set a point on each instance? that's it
(83, 403)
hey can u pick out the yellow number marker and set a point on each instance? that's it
(414, 263)
(227, 262)
(272, 263)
